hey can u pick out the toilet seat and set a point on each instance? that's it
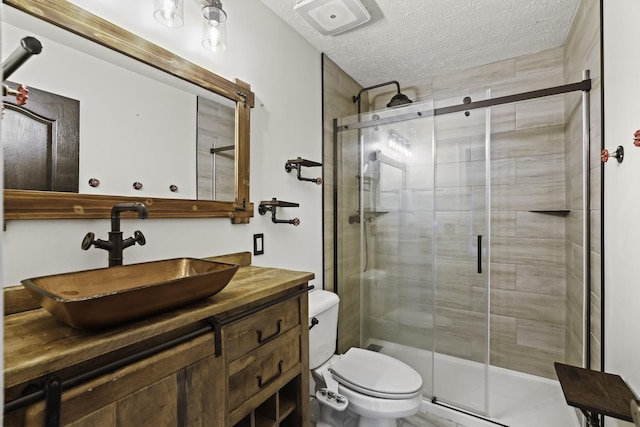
(377, 375)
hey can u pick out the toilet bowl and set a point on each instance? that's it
(372, 388)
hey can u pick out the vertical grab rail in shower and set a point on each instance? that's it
(487, 195)
(586, 225)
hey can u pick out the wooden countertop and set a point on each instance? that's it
(35, 343)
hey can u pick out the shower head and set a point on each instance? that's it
(399, 99)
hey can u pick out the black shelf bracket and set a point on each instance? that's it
(271, 205)
(298, 164)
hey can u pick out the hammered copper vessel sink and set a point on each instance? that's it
(95, 299)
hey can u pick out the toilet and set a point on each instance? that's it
(361, 387)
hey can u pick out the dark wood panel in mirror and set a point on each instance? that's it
(19, 204)
(42, 138)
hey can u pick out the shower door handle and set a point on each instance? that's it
(479, 253)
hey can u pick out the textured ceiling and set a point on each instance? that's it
(406, 40)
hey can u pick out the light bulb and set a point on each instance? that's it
(169, 12)
(214, 31)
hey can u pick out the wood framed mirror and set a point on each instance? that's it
(26, 204)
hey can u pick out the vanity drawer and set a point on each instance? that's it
(251, 332)
(271, 364)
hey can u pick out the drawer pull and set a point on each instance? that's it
(270, 337)
(272, 379)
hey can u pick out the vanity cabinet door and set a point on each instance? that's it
(182, 386)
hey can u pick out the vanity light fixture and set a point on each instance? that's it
(169, 12)
(214, 26)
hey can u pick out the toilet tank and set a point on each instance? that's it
(323, 306)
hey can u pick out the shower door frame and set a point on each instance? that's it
(583, 86)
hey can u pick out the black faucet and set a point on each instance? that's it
(116, 244)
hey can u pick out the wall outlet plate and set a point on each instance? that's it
(258, 244)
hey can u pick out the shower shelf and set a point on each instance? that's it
(372, 214)
(556, 212)
(220, 149)
(298, 164)
(271, 205)
(369, 215)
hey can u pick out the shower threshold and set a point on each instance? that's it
(516, 399)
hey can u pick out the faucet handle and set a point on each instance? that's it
(88, 241)
(139, 237)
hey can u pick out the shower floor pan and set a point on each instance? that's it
(515, 399)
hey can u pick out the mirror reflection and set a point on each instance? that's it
(135, 125)
(40, 141)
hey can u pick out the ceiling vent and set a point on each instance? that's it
(331, 17)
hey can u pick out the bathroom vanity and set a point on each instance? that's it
(239, 358)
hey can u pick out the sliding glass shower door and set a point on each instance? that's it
(460, 258)
(422, 217)
(397, 229)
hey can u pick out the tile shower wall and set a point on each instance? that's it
(582, 52)
(337, 93)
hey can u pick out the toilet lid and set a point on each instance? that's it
(376, 374)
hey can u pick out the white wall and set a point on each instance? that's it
(284, 73)
(622, 191)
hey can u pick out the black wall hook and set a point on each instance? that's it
(618, 154)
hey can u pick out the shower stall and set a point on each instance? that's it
(462, 237)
